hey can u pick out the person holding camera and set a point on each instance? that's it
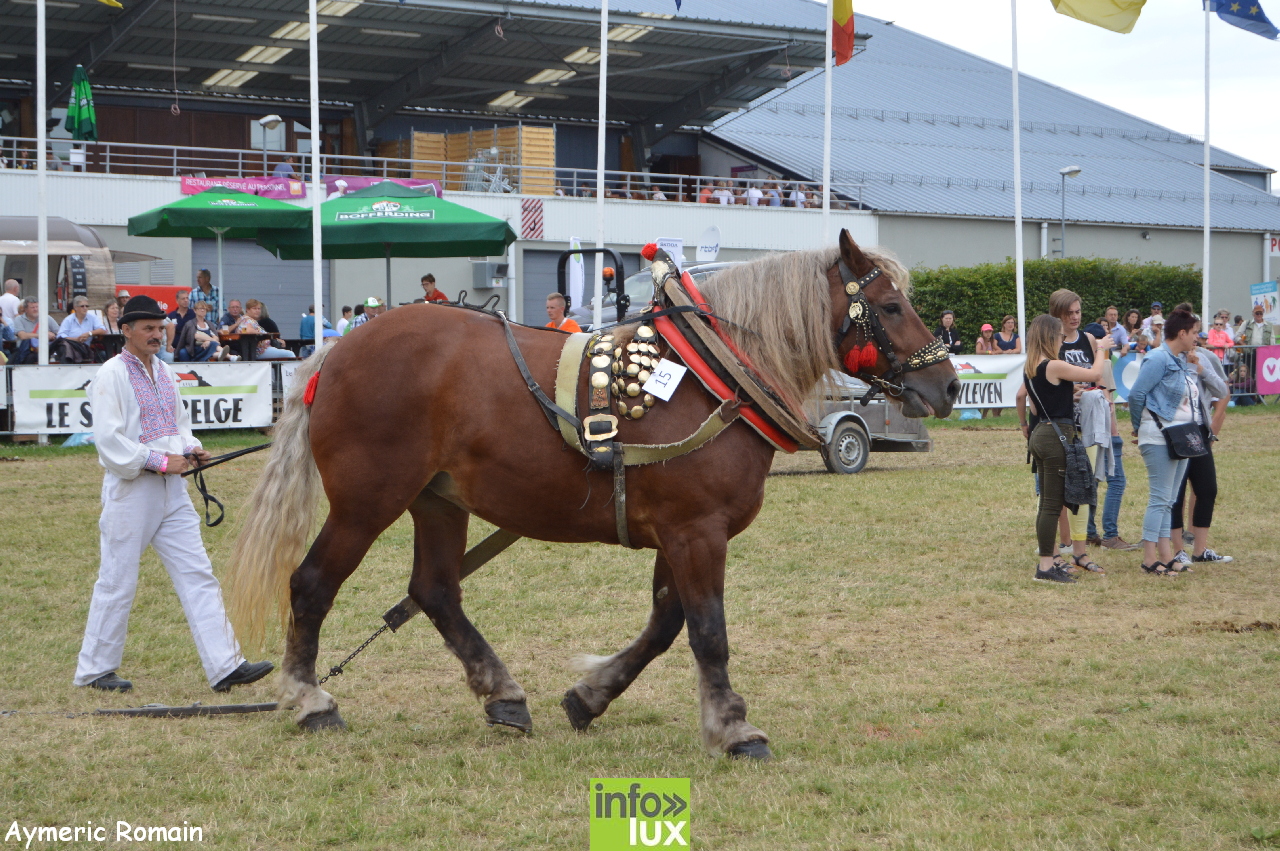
(143, 436)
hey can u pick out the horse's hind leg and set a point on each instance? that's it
(440, 539)
(606, 677)
(332, 558)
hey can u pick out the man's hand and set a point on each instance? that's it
(177, 465)
(202, 456)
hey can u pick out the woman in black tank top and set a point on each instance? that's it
(1049, 385)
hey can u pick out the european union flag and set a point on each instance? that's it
(1245, 14)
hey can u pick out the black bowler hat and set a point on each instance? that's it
(141, 307)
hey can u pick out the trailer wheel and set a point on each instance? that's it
(847, 452)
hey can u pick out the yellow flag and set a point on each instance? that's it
(111, 3)
(1115, 15)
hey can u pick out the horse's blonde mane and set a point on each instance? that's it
(784, 299)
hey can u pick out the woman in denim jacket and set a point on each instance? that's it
(1168, 389)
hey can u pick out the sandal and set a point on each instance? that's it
(1159, 569)
(1088, 564)
(1061, 564)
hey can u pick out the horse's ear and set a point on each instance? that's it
(852, 255)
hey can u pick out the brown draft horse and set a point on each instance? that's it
(423, 410)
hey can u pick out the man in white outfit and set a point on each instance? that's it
(144, 440)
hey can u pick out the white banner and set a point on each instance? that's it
(675, 247)
(54, 399)
(988, 381)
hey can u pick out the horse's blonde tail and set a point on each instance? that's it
(278, 520)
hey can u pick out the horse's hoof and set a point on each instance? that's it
(329, 720)
(580, 717)
(752, 749)
(509, 713)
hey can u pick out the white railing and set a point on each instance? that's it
(475, 175)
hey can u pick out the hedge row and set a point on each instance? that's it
(987, 292)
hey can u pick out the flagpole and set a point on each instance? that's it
(42, 192)
(317, 193)
(1204, 270)
(1017, 186)
(826, 128)
(597, 307)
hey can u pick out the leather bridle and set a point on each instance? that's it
(860, 313)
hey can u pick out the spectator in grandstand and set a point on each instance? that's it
(182, 314)
(986, 342)
(429, 291)
(1132, 327)
(345, 320)
(285, 169)
(111, 317)
(233, 315)
(9, 302)
(1118, 332)
(307, 327)
(723, 193)
(773, 194)
(798, 198)
(948, 334)
(25, 326)
(198, 340)
(205, 290)
(254, 322)
(81, 325)
(1219, 338)
(1157, 314)
(371, 309)
(754, 195)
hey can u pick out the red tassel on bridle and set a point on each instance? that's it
(309, 395)
(861, 359)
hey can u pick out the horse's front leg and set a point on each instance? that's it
(606, 677)
(697, 558)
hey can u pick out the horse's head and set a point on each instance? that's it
(881, 339)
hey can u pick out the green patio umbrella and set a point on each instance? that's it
(82, 121)
(224, 212)
(389, 220)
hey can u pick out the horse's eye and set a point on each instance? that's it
(893, 308)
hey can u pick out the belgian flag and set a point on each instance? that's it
(842, 30)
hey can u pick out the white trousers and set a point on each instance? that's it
(153, 510)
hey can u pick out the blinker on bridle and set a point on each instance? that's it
(861, 314)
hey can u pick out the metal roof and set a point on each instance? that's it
(927, 128)
(533, 58)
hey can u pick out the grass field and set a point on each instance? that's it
(919, 689)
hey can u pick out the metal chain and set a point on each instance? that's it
(337, 669)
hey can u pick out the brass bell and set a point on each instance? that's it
(633, 369)
(617, 367)
(646, 361)
(644, 332)
(617, 353)
(648, 400)
(643, 376)
(599, 380)
(606, 338)
(633, 389)
(637, 412)
(633, 347)
(600, 361)
(653, 350)
(600, 349)
(852, 288)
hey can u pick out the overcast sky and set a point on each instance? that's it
(1156, 71)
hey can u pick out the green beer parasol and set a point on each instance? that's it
(223, 212)
(389, 220)
(82, 121)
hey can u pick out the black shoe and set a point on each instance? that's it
(1054, 574)
(248, 672)
(111, 682)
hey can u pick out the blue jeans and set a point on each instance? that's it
(203, 351)
(1115, 493)
(1163, 475)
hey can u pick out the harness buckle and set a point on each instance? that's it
(591, 425)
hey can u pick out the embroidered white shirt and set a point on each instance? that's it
(137, 421)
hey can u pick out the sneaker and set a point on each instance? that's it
(1066, 549)
(234, 358)
(1054, 574)
(1119, 543)
(1183, 558)
(1210, 555)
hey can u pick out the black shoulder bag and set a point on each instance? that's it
(1079, 485)
(1184, 440)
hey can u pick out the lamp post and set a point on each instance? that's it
(1068, 171)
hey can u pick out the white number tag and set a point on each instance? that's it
(664, 379)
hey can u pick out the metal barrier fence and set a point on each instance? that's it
(478, 174)
(1246, 368)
